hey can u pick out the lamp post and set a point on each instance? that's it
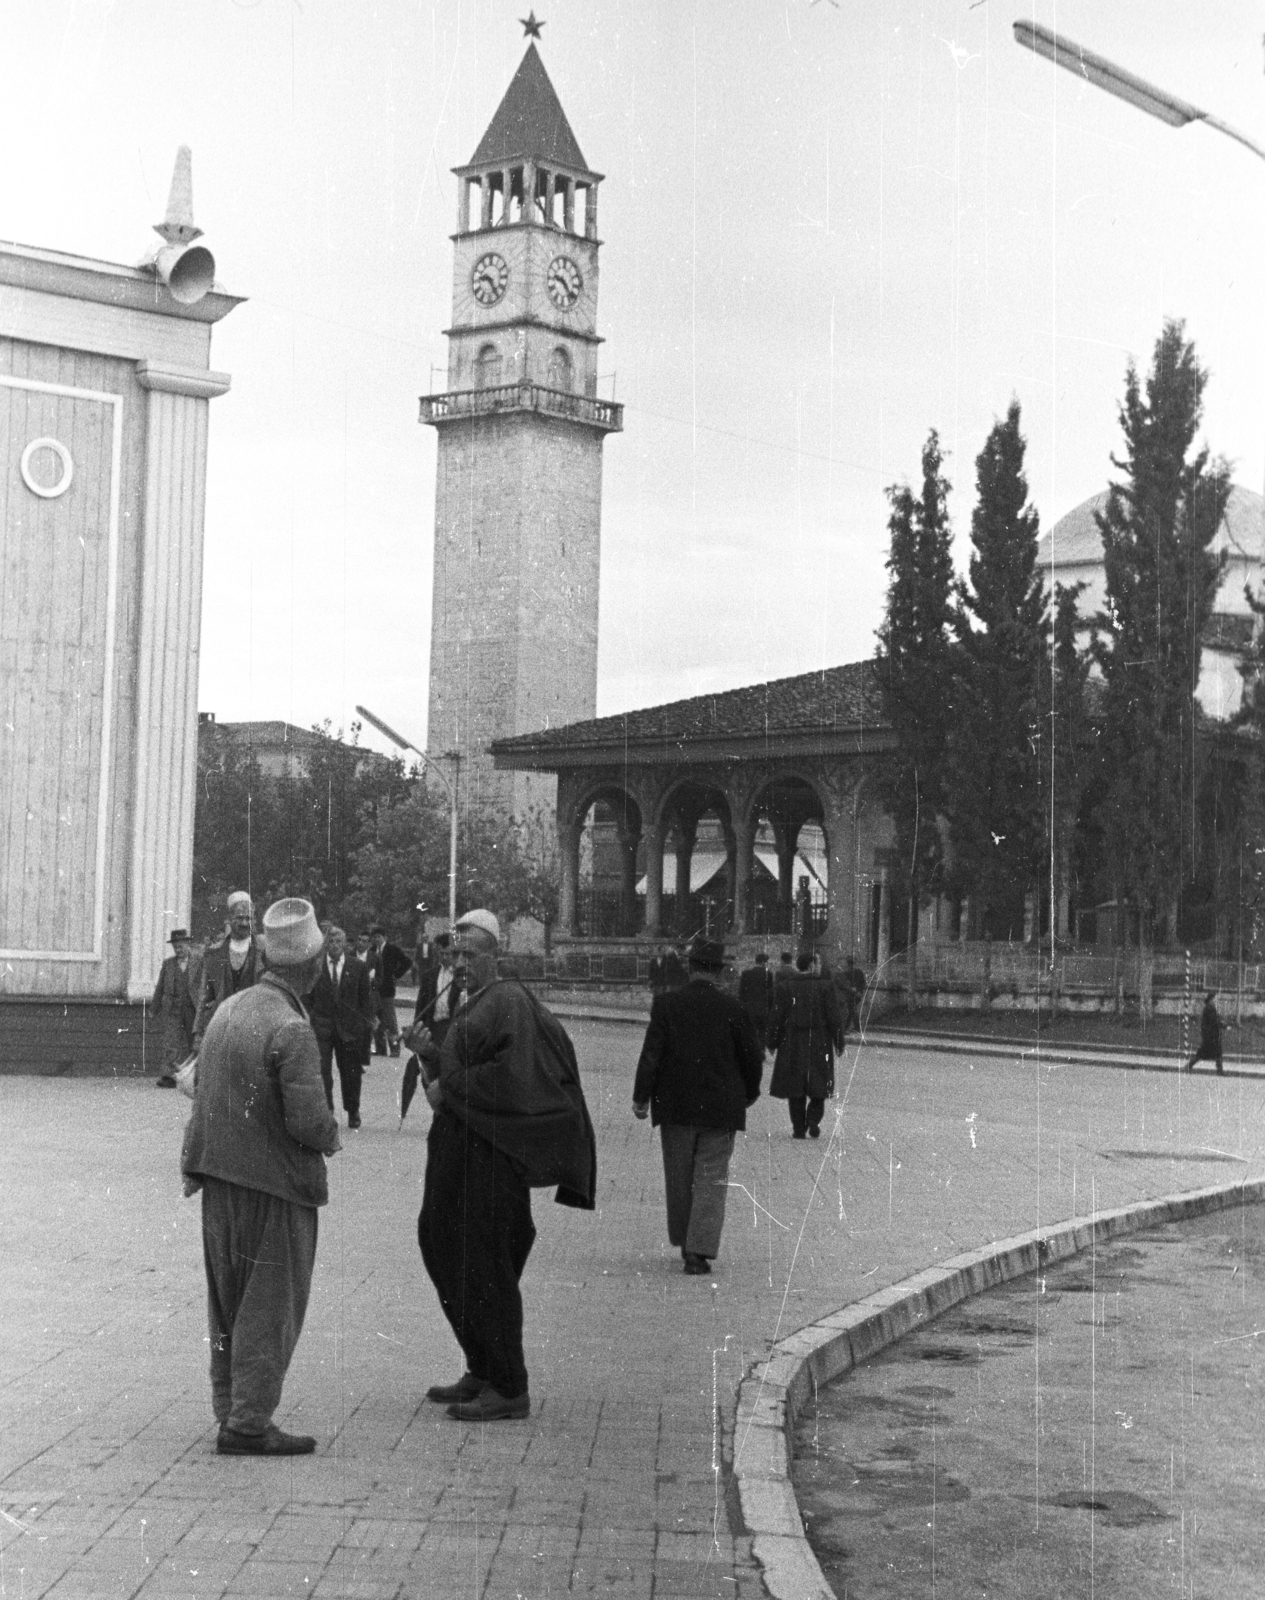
(451, 786)
(1104, 74)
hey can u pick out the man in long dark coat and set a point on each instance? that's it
(501, 1121)
(175, 1006)
(806, 1031)
(1209, 1034)
(699, 1071)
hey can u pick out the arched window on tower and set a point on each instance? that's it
(487, 367)
(560, 369)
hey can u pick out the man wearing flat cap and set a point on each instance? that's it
(509, 1116)
(699, 1072)
(234, 964)
(255, 1146)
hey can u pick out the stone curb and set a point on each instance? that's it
(773, 1393)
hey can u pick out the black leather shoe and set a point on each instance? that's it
(465, 1388)
(696, 1266)
(798, 1133)
(165, 1082)
(353, 1122)
(814, 1133)
(271, 1442)
(489, 1405)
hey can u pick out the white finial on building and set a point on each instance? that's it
(178, 226)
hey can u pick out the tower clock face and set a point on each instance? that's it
(564, 282)
(488, 278)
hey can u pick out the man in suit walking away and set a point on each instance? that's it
(341, 1004)
(755, 995)
(699, 1071)
(806, 1031)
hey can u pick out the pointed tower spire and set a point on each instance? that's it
(178, 226)
(530, 122)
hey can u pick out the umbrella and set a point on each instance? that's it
(412, 1072)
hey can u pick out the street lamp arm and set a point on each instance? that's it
(1124, 85)
(406, 744)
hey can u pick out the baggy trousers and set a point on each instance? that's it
(696, 1181)
(476, 1232)
(259, 1252)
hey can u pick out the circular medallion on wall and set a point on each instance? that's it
(564, 282)
(488, 278)
(47, 491)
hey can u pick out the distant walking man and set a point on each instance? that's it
(1210, 1032)
(234, 964)
(699, 1071)
(175, 1006)
(852, 990)
(389, 964)
(341, 1003)
(755, 995)
(806, 1031)
(254, 1145)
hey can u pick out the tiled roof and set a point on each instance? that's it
(834, 700)
(530, 121)
(268, 733)
(1077, 541)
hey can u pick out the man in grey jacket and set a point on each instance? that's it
(255, 1147)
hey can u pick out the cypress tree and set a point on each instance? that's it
(914, 662)
(1161, 578)
(994, 768)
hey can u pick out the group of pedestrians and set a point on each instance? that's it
(509, 1116)
(352, 1000)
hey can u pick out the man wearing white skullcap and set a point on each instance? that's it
(254, 1146)
(232, 965)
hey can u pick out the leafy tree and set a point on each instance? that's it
(914, 664)
(1161, 579)
(993, 772)
(231, 817)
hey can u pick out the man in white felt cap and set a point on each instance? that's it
(255, 1146)
(509, 1116)
(234, 964)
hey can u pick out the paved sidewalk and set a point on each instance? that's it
(619, 1483)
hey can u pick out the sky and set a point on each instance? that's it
(828, 225)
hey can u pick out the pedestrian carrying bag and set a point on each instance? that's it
(186, 1075)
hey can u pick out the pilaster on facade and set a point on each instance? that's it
(170, 617)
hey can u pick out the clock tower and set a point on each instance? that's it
(518, 481)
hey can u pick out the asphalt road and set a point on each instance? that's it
(1092, 1431)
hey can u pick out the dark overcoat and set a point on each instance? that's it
(806, 1030)
(700, 1064)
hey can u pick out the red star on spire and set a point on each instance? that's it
(531, 28)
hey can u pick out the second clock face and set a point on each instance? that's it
(488, 278)
(564, 282)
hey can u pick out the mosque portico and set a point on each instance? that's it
(703, 810)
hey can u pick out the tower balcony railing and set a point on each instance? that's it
(503, 398)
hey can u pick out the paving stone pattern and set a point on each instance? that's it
(619, 1483)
